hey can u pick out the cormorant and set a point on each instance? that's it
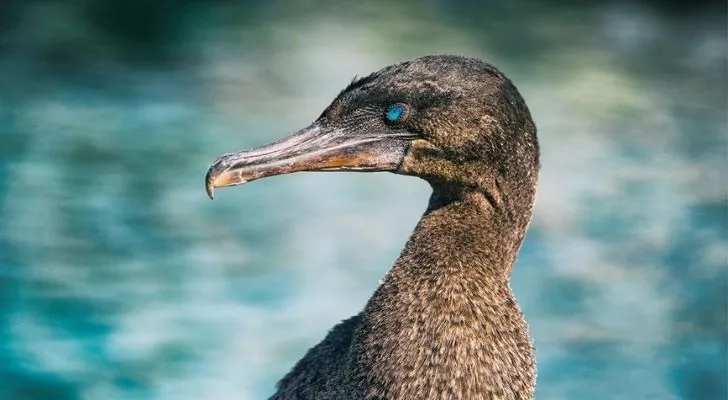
(444, 323)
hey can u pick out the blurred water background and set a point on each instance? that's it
(119, 279)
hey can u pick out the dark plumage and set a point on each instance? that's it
(444, 323)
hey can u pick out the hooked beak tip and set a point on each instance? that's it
(221, 174)
(210, 186)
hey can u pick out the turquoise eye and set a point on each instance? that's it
(397, 112)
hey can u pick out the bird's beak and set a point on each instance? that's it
(313, 148)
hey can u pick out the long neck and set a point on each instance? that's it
(444, 320)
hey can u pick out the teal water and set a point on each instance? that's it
(119, 279)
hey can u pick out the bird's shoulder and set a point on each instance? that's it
(318, 374)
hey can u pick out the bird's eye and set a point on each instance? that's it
(397, 112)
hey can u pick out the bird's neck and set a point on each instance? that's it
(444, 319)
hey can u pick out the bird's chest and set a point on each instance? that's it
(457, 350)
